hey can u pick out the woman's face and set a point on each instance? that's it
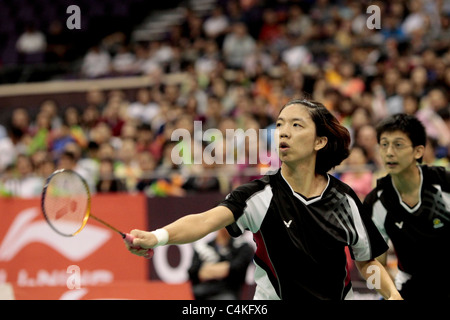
(296, 132)
(398, 152)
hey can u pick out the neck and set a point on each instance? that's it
(304, 180)
(408, 180)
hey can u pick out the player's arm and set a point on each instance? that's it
(373, 271)
(187, 229)
(383, 259)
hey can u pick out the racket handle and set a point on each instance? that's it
(129, 239)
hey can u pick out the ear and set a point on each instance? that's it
(419, 152)
(321, 142)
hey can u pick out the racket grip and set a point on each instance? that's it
(129, 239)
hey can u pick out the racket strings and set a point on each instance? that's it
(66, 203)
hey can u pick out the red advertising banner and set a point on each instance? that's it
(142, 290)
(33, 255)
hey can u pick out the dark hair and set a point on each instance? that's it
(337, 147)
(406, 123)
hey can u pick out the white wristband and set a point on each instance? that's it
(162, 236)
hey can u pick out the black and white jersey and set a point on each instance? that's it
(301, 242)
(420, 234)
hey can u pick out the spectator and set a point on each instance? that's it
(428, 114)
(58, 140)
(8, 150)
(299, 24)
(147, 165)
(20, 122)
(366, 137)
(216, 25)
(107, 181)
(41, 133)
(203, 177)
(31, 45)
(238, 45)
(271, 28)
(114, 115)
(123, 62)
(430, 157)
(101, 133)
(395, 104)
(146, 141)
(219, 267)
(51, 108)
(90, 161)
(96, 98)
(72, 119)
(350, 85)
(144, 109)
(259, 62)
(90, 117)
(416, 19)
(357, 174)
(24, 183)
(46, 167)
(209, 60)
(419, 80)
(96, 63)
(128, 167)
(169, 174)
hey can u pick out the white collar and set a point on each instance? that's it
(303, 199)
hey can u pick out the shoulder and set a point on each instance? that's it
(249, 204)
(381, 185)
(258, 190)
(436, 174)
(342, 188)
(338, 184)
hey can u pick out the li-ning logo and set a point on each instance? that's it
(24, 231)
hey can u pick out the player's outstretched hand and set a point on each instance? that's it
(142, 242)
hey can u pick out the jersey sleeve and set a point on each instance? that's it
(369, 244)
(375, 209)
(248, 203)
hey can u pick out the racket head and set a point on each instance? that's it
(66, 202)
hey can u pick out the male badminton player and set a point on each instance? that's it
(302, 218)
(410, 206)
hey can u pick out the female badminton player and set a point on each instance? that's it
(302, 218)
(410, 206)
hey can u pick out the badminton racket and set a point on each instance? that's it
(66, 205)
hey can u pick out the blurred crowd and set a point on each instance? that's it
(238, 65)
